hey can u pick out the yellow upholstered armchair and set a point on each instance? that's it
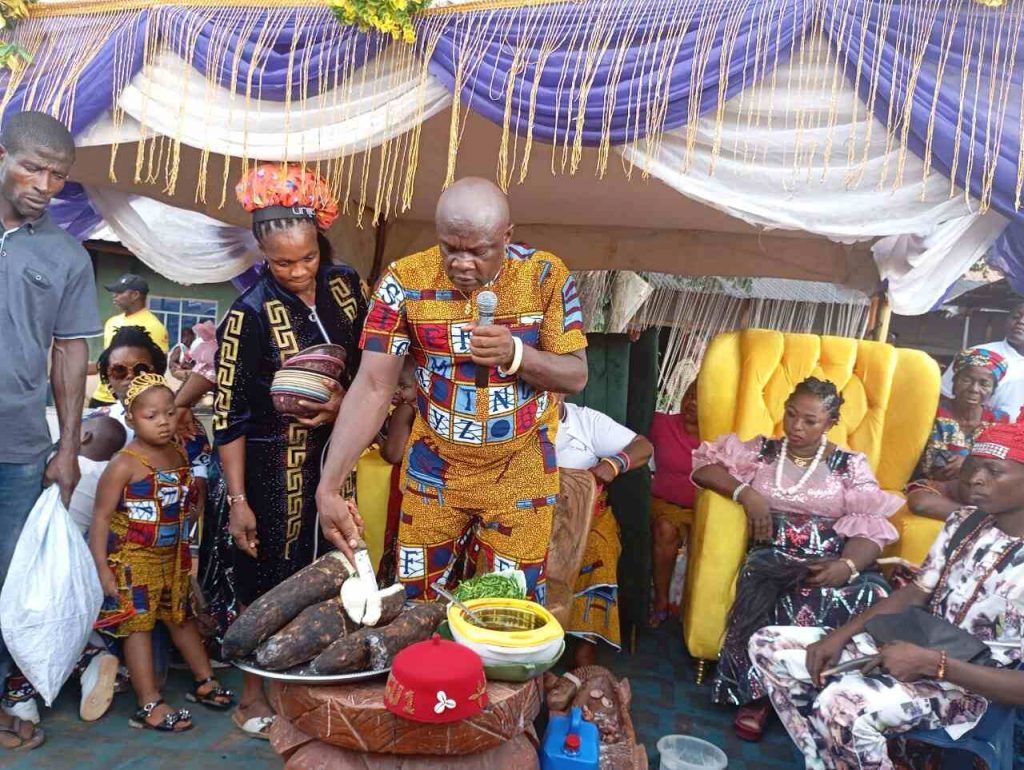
(891, 395)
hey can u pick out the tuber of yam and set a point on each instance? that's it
(312, 632)
(345, 656)
(318, 582)
(413, 625)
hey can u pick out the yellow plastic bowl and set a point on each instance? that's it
(514, 612)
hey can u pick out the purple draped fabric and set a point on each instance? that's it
(73, 212)
(612, 69)
(964, 38)
(237, 53)
(213, 41)
(248, 278)
(624, 76)
(95, 87)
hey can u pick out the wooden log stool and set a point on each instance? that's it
(354, 717)
(301, 752)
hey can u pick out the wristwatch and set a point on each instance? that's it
(854, 572)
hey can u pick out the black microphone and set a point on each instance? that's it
(486, 304)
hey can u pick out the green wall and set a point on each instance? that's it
(623, 384)
(109, 267)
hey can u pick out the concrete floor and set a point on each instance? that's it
(110, 744)
(665, 700)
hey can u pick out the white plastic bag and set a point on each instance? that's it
(51, 598)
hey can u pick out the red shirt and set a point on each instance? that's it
(673, 459)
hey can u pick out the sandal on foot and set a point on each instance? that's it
(750, 721)
(254, 727)
(34, 741)
(169, 724)
(210, 698)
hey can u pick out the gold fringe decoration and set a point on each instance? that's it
(66, 36)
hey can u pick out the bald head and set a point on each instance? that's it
(474, 229)
(473, 203)
(101, 438)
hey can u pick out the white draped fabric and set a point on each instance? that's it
(782, 160)
(383, 100)
(185, 246)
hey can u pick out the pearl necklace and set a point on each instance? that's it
(807, 473)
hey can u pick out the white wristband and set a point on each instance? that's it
(739, 491)
(517, 358)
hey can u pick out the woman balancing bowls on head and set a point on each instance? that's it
(271, 461)
(972, 579)
(959, 421)
(817, 522)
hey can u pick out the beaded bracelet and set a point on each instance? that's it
(739, 491)
(623, 459)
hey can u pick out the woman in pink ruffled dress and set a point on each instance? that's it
(817, 520)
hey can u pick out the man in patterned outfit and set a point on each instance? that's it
(480, 474)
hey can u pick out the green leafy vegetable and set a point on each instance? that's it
(506, 585)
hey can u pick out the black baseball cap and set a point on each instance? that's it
(129, 282)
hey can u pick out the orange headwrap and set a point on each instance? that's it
(273, 185)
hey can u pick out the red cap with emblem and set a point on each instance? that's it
(436, 681)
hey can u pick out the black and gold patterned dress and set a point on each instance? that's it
(265, 326)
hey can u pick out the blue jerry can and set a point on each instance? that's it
(570, 743)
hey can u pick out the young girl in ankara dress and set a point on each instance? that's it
(139, 540)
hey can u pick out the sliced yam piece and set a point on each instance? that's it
(385, 606)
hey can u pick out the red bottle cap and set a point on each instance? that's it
(572, 742)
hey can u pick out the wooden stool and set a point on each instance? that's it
(301, 752)
(354, 717)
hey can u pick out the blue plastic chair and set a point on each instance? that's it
(991, 740)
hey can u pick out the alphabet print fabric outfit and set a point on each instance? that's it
(480, 477)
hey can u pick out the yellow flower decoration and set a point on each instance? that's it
(392, 17)
(12, 56)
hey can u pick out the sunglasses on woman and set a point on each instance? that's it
(123, 372)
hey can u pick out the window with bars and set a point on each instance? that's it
(178, 314)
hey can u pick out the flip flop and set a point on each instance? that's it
(254, 727)
(750, 721)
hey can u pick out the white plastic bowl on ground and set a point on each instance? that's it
(682, 752)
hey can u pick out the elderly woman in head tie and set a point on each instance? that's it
(271, 461)
(958, 423)
(817, 520)
(969, 588)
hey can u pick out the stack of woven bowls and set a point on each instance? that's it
(306, 377)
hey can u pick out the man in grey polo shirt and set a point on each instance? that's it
(48, 306)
